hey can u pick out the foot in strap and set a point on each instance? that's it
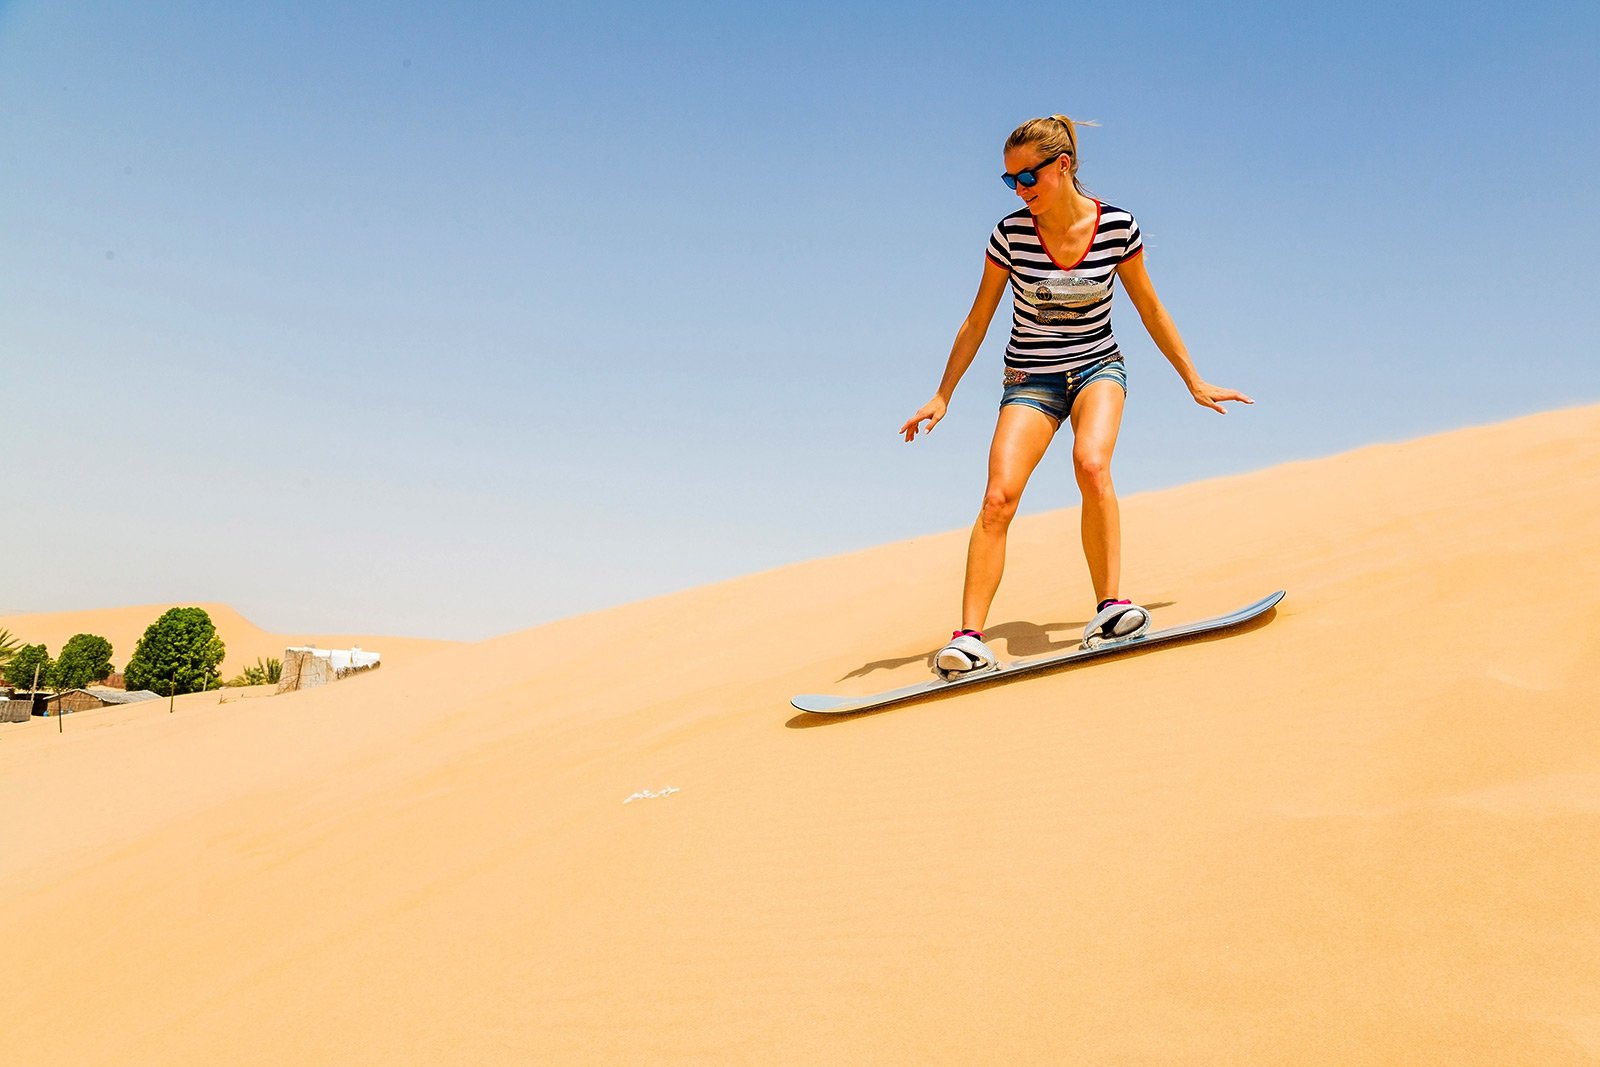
(965, 653)
(1115, 620)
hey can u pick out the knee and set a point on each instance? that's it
(1093, 470)
(999, 508)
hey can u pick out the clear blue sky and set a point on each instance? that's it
(454, 319)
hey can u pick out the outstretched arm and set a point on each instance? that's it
(1136, 282)
(968, 338)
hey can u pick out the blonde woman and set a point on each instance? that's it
(1059, 254)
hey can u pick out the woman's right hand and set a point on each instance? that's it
(931, 413)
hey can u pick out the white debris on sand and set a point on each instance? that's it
(649, 795)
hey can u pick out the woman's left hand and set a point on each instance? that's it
(1212, 396)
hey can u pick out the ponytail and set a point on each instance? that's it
(1052, 136)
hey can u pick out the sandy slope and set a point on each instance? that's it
(1365, 832)
(245, 641)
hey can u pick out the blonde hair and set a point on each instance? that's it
(1054, 135)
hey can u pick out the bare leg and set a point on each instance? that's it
(1096, 418)
(1020, 438)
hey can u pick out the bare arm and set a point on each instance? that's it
(965, 349)
(1136, 282)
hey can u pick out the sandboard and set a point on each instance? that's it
(822, 704)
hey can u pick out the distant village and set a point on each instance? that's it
(180, 652)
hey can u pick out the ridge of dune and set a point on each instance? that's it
(1367, 831)
(245, 642)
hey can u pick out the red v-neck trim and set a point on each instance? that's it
(1084, 254)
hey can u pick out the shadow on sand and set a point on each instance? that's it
(807, 720)
(1023, 640)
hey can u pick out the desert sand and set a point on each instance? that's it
(1364, 832)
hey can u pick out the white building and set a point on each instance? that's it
(305, 666)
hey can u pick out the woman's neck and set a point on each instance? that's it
(1072, 207)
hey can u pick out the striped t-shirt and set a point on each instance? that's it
(1061, 313)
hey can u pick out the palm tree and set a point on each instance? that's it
(8, 647)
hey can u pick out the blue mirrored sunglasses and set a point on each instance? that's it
(1027, 178)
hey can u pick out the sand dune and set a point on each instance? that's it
(1367, 832)
(245, 641)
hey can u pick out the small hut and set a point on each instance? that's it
(25, 703)
(15, 710)
(96, 696)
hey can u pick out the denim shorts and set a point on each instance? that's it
(1054, 392)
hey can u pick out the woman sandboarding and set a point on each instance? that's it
(1059, 254)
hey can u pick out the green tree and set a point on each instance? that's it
(85, 658)
(179, 653)
(8, 648)
(19, 668)
(266, 673)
